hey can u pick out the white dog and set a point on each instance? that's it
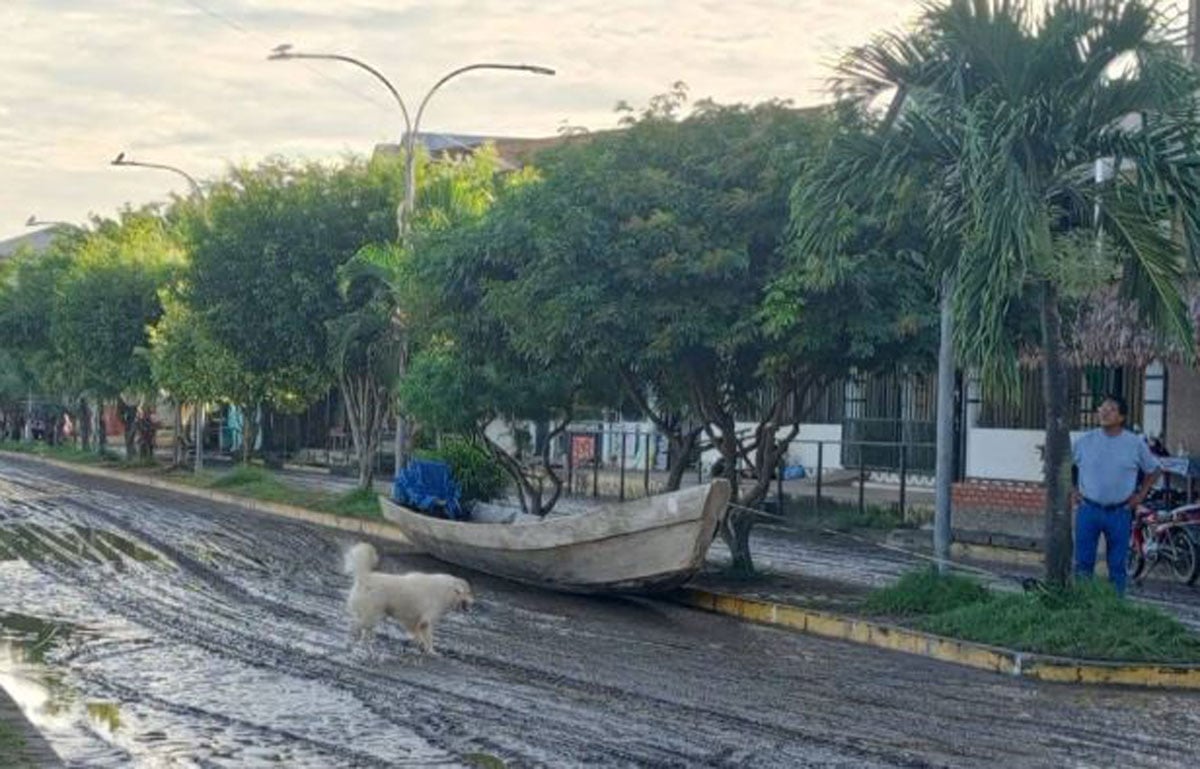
(415, 600)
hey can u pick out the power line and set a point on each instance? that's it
(267, 44)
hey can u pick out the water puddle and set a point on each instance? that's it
(72, 545)
(73, 724)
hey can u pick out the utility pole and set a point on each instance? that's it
(1194, 31)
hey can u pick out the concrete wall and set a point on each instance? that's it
(1012, 455)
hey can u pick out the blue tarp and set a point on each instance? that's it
(427, 485)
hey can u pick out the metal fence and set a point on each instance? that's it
(622, 465)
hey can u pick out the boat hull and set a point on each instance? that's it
(648, 545)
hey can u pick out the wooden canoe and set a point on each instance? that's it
(649, 544)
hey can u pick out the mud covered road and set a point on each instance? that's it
(142, 629)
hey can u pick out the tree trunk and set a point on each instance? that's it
(680, 447)
(85, 425)
(101, 428)
(735, 531)
(177, 436)
(128, 415)
(944, 473)
(1057, 471)
(366, 409)
(198, 434)
(401, 441)
(250, 429)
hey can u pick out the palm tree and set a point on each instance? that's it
(999, 113)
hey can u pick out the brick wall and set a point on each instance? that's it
(1015, 496)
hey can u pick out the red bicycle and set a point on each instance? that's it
(1166, 536)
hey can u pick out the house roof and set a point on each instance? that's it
(36, 240)
(514, 151)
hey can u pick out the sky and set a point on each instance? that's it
(187, 82)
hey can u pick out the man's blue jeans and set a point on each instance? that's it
(1115, 523)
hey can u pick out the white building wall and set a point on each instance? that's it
(1011, 455)
(803, 448)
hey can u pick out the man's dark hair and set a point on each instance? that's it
(1119, 402)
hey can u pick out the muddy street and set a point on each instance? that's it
(138, 628)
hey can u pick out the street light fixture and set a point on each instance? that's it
(121, 160)
(411, 127)
(33, 221)
(408, 142)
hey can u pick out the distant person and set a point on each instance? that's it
(1108, 461)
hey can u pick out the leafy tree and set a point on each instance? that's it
(104, 304)
(465, 388)
(266, 248)
(187, 364)
(28, 282)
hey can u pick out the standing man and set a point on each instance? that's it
(1108, 460)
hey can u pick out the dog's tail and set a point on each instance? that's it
(360, 560)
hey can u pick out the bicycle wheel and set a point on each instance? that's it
(1181, 552)
(1191, 535)
(1135, 562)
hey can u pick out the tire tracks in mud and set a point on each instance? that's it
(378, 692)
(510, 687)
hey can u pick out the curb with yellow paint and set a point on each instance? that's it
(975, 655)
(377, 529)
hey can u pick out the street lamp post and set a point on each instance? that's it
(404, 211)
(121, 160)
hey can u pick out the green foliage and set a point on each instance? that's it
(28, 283)
(265, 253)
(187, 364)
(475, 469)
(845, 516)
(998, 116)
(1087, 620)
(11, 742)
(257, 482)
(927, 592)
(245, 475)
(64, 453)
(359, 503)
(106, 301)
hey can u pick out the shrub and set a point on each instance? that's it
(480, 475)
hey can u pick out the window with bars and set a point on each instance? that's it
(1086, 387)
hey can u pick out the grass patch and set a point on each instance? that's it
(484, 761)
(1087, 620)
(253, 481)
(63, 453)
(845, 517)
(926, 592)
(360, 503)
(12, 741)
(257, 482)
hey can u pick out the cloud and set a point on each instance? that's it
(186, 82)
